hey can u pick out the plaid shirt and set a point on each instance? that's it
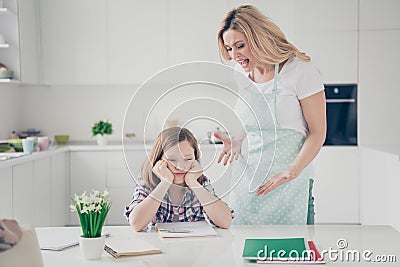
(189, 210)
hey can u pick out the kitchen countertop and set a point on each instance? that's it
(388, 148)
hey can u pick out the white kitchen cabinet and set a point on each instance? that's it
(192, 30)
(383, 14)
(334, 53)
(42, 189)
(378, 87)
(120, 184)
(87, 172)
(336, 186)
(137, 44)
(379, 187)
(328, 32)
(23, 193)
(6, 198)
(9, 52)
(59, 187)
(29, 41)
(219, 175)
(325, 15)
(74, 41)
(21, 54)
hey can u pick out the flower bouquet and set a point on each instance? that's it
(92, 211)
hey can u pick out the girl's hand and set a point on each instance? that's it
(193, 174)
(275, 181)
(162, 171)
(231, 149)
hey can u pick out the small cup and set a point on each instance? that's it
(44, 143)
(28, 145)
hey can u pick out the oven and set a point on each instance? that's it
(341, 114)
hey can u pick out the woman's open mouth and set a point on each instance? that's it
(243, 62)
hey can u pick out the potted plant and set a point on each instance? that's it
(101, 130)
(92, 211)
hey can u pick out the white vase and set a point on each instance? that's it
(102, 140)
(92, 248)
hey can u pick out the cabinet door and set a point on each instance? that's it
(327, 31)
(29, 41)
(219, 175)
(6, 197)
(192, 28)
(59, 188)
(42, 201)
(120, 183)
(336, 187)
(74, 41)
(137, 39)
(87, 172)
(378, 88)
(24, 193)
(379, 184)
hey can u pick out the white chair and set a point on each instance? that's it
(25, 253)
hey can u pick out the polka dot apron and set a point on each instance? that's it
(268, 150)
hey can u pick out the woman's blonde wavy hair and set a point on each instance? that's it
(164, 141)
(266, 40)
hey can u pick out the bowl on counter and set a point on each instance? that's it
(61, 139)
(16, 144)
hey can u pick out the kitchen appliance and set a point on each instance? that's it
(341, 114)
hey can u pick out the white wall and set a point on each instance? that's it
(73, 110)
(10, 109)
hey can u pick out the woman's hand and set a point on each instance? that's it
(275, 181)
(231, 149)
(162, 171)
(193, 174)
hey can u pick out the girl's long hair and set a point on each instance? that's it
(266, 40)
(164, 141)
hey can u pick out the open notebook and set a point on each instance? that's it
(282, 250)
(185, 229)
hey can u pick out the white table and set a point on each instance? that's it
(226, 248)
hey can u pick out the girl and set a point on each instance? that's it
(172, 186)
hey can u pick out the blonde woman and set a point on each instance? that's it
(280, 146)
(172, 186)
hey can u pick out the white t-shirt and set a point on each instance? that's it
(297, 80)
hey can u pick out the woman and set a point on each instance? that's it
(172, 186)
(280, 146)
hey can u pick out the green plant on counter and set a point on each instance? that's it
(102, 128)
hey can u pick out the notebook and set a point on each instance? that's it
(185, 229)
(129, 246)
(282, 250)
(58, 238)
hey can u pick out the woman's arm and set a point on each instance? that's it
(145, 211)
(314, 110)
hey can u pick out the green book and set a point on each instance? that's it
(275, 249)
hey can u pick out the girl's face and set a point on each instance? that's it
(180, 159)
(238, 48)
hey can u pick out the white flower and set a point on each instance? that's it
(105, 193)
(85, 210)
(73, 208)
(98, 208)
